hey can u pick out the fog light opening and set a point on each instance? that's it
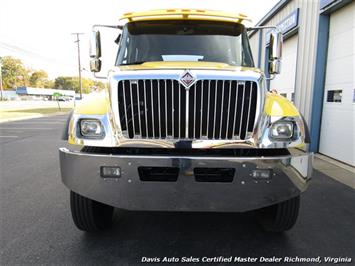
(110, 172)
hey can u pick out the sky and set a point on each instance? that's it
(39, 31)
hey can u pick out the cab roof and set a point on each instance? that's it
(188, 14)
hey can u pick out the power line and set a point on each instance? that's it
(31, 53)
(18, 52)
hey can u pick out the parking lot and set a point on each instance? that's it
(37, 228)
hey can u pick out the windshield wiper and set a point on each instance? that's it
(133, 63)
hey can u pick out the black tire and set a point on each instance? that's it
(90, 215)
(279, 217)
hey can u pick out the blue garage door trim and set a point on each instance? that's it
(326, 8)
(319, 81)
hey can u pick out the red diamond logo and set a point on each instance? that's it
(187, 79)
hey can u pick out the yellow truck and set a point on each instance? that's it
(187, 124)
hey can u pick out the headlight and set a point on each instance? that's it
(282, 130)
(91, 128)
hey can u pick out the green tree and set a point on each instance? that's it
(49, 84)
(66, 83)
(14, 73)
(72, 83)
(100, 85)
(39, 79)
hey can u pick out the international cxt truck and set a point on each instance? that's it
(187, 124)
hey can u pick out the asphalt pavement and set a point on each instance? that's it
(36, 227)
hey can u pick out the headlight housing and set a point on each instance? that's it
(91, 129)
(282, 130)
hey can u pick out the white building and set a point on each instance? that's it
(317, 69)
(43, 93)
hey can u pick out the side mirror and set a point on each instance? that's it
(95, 51)
(95, 65)
(275, 52)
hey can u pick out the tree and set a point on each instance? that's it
(49, 84)
(66, 83)
(100, 85)
(14, 73)
(39, 79)
(72, 83)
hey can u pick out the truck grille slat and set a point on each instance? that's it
(201, 109)
(209, 109)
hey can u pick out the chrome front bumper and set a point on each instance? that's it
(81, 173)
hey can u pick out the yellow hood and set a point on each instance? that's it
(185, 65)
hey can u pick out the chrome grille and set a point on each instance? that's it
(164, 109)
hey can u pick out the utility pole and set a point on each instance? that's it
(1, 80)
(79, 64)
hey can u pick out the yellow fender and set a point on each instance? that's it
(94, 104)
(276, 105)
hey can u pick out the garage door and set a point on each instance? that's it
(284, 83)
(337, 137)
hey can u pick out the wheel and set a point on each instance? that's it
(279, 217)
(90, 215)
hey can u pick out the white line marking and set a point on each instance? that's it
(39, 122)
(8, 136)
(25, 128)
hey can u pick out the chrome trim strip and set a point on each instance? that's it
(201, 110)
(250, 95)
(208, 107)
(215, 109)
(172, 110)
(139, 110)
(151, 98)
(125, 106)
(145, 107)
(242, 112)
(229, 102)
(159, 113)
(166, 109)
(221, 122)
(187, 105)
(132, 111)
(194, 128)
(235, 110)
(179, 110)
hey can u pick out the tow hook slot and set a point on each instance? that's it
(223, 175)
(158, 174)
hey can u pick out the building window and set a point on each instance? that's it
(293, 97)
(283, 95)
(334, 96)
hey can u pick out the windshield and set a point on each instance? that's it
(184, 40)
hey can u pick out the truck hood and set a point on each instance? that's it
(186, 65)
(174, 70)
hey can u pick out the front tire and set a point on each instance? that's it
(279, 217)
(90, 215)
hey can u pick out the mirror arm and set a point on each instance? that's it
(120, 27)
(263, 27)
(272, 76)
(99, 77)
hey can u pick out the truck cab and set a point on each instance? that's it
(187, 124)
